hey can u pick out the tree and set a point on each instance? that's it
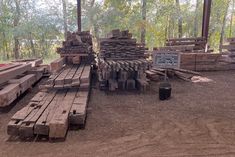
(65, 18)
(223, 25)
(180, 21)
(196, 19)
(17, 14)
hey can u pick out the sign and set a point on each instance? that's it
(166, 59)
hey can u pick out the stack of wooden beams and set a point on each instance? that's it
(70, 76)
(186, 45)
(17, 77)
(119, 45)
(50, 113)
(204, 62)
(123, 74)
(229, 49)
(76, 44)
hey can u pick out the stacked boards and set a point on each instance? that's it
(57, 107)
(229, 49)
(186, 45)
(121, 63)
(17, 77)
(70, 76)
(204, 62)
(77, 48)
(120, 46)
(50, 113)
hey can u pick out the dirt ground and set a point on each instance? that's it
(199, 120)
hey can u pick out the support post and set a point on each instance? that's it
(206, 18)
(79, 16)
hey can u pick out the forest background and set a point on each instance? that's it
(34, 28)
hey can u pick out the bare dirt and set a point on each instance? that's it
(199, 120)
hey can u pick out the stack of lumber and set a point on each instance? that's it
(70, 76)
(16, 78)
(50, 113)
(123, 74)
(155, 74)
(186, 45)
(76, 44)
(119, 45)
(204, 62)
(229, 50)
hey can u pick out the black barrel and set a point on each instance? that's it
(164, 91)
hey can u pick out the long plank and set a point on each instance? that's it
(85, 77)
(77, 76)
(26, 129)
(70, 75)
(59, 81)
(42, 125)
(12, 73)
(77, 114)
(57, 64)
(59, 123)
(7, 67)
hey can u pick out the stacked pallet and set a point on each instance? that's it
(76, 44)
(16, 78)
(186, 45)
(123, 74)
(50, 113)
(70, 76)
(119, 45)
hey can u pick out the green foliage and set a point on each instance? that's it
(40, 27)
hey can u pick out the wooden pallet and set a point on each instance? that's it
(50, 114)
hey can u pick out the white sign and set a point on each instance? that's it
(166, 59)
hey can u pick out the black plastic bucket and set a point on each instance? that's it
(164, 91)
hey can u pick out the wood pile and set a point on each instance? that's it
(229, 49)
(76, 44)
(70, 76)
(186, 45)
(205, 62)
(50, 113)
(17, 77)
(119, 45)
(123, 74)
(155, 74)
(122, 63)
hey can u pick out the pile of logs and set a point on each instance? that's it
(123, 74)
(119, 45)
(50, 113)
(17, 77)
(76, 45)
(186, 45)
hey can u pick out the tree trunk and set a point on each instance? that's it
(180, 21)
(195, 30)
(15, 23)
(32, 45)
(65, 18)
(231, 20)
(223, 26)
(143, 29)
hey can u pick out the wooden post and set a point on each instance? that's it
(79, 15)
